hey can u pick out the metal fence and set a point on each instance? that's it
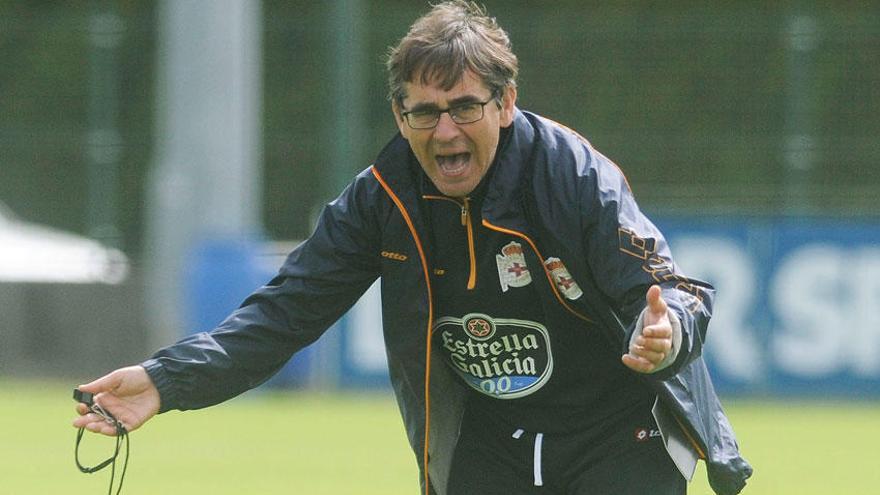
(744, 106)
(730, 109)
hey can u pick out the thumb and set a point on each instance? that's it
(106, 383)
(656, 304)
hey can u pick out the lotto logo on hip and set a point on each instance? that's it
(644, 434)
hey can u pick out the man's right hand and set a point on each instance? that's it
(127, 393)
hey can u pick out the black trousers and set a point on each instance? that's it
(624, 456)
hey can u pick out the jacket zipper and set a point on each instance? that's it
(467, 224)
(412, 229)
(426, 272)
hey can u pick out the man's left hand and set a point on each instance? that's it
(654, 344)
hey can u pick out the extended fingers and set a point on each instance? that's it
(652, 350)
(654, 357)
(661, 330)
(649, 349)
(654, 343)
(103, 428)
(655, 338)
(636, 363)
(95, 423)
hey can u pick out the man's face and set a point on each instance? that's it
(455, 156)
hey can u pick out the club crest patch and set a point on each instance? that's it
(512, 269)
(503, 358)
(562, 278)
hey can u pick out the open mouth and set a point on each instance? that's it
(454, 164)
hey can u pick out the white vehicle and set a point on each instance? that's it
(39, 254)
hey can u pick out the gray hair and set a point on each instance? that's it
(454, 37)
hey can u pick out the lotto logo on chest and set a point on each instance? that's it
(501, 357)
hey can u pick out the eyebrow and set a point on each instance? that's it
(461, 100)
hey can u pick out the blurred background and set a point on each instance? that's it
(158, 160)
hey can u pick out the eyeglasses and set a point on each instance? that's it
(464, 113)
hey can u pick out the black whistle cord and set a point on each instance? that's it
(121, 433)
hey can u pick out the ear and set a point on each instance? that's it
(399, 120)
(508, 106)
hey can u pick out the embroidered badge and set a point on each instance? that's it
(562, 279)
(512, 269)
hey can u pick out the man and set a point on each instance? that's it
(516, 269)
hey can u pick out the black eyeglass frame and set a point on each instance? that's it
(494, 97)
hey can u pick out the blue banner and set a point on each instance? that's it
(798, 302)
(797, 309)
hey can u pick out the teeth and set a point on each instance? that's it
(453, 163)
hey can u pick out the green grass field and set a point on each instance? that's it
(313, 444)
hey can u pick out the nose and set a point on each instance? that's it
(446, 128)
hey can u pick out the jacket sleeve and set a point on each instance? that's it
(627, 254)
(319, 281)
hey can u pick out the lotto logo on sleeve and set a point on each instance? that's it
(501, 357)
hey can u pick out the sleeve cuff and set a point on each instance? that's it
(162, 382)
(676, 338)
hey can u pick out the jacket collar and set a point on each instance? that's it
(508, 186)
